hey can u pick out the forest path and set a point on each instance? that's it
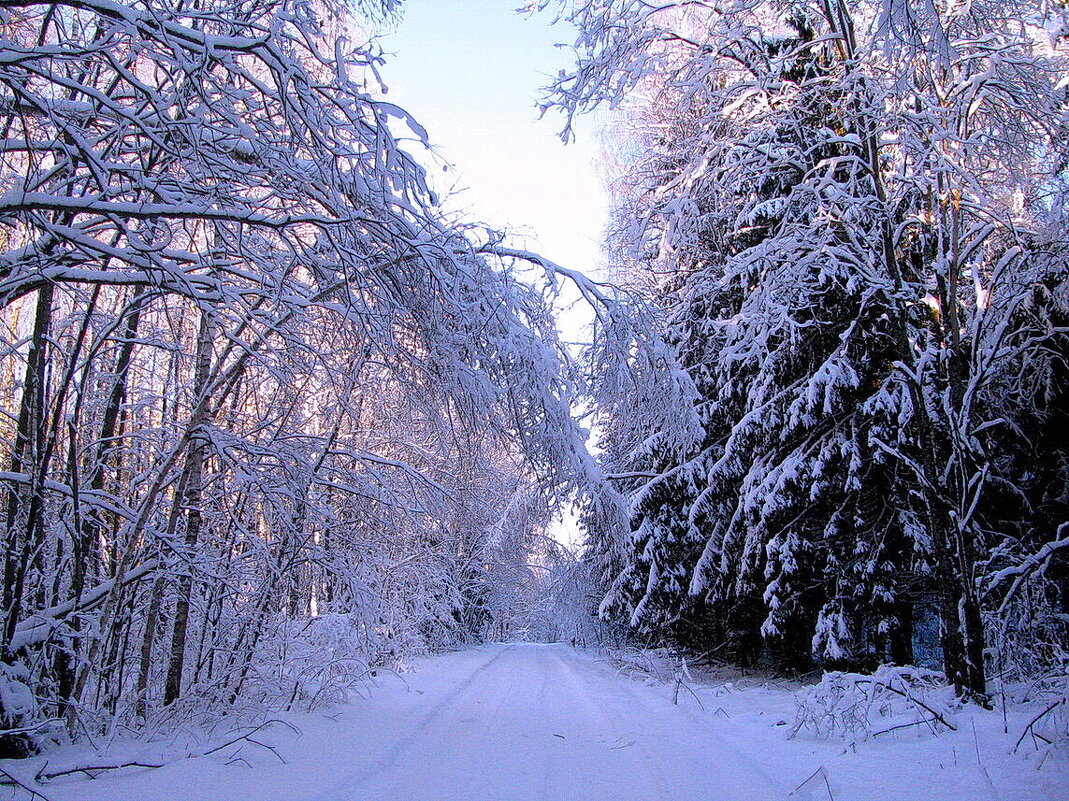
(496, 723)
(529, 722)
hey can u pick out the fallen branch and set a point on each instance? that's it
(903, 726)
(1034, 721)
(92, 771)
(12, 779)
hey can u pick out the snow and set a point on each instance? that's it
(530, 721)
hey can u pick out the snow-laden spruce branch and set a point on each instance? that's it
(854, 221)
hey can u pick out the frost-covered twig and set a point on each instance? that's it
(1026, 568)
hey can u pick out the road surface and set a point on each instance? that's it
(516, 722)
(547, 723)
(525, 722)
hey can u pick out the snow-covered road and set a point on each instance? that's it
(526, 722)
(519, 721)
(533, 722)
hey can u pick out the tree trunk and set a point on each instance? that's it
(191, 500)
(900, 638)
(147, 643)
(23, 503)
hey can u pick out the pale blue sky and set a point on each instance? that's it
(470, 71)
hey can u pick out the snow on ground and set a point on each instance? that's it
(528, 722)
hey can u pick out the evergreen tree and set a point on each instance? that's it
(840, 213)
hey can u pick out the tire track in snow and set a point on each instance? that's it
(549, 754)
(643, 704)
(539, 722)
(503, 697)
(405, 743)
(621, 733)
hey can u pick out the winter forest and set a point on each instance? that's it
(275, 422)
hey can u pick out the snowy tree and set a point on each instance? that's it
(848, 216)
(245, 355)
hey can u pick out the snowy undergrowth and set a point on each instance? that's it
(319, 661)
(300, 665)
(649, 665)
(1047, 699)
(23, 713)
(1030, 719)
(855, 706)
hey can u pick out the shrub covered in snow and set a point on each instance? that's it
(23, 727)
(314, 662)
(649, 665)
(855, 706)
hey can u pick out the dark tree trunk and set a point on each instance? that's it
(900, 637)
(23, 502)
(191, 500)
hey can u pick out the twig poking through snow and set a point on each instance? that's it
(1034, 721)
(682, 674)
(818, 772)
(15, 780)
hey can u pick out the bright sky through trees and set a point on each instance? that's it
(471, 72)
